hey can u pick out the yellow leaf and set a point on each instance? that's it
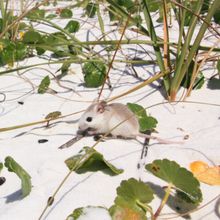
(204, 173)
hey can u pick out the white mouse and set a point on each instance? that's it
(101, 118)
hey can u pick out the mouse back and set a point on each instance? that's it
(129, 126)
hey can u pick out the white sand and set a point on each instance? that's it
(45, 162)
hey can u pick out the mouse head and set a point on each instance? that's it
(93, 117)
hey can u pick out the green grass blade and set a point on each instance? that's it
(153, 36)
(179, 74)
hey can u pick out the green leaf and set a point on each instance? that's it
(12, 52)
(75, 49)
(205, 6)
(44, 85)
(134, 193)
(91, 9)
(7, 55)
(36, 14)
(216, 16)
(179, 177)
(13, 166)
(113, 16)
(32, 37)
(66, 13)
(1, 25)
(40, 51)
(153, 5)
(64, 70)
(51, 16)
(58, 44)
(145, 122)
(94, 74)
(22, 26)
(20, 51)
(1, 167)
(72, 26)
(53, 115)
(198, 83)
(94, 162)
(90, 212)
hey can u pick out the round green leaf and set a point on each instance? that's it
(21, 51)
(72, 26)
(7, 55)
(66, 13)
(94, 162)
(91, 9)
(58, 44)
(36, 14)
(134, 194)
(179, 177)
(145, 122)
(217, 16)
(32, 37)
(94, 74)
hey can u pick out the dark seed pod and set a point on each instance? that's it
(41, 141)
(50, 201)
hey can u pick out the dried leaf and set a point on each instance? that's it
(204, 173)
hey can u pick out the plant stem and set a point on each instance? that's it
(164, 201)
(183, 65)
(141, 85)
(153, 35)
(180, 62)
(113, 58)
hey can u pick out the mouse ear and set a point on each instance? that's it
(101, 106)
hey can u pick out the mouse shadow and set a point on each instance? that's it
(177, 204)
(15, 196)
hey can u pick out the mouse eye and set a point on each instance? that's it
(89, 119)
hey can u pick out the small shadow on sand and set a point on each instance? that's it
(214, 84)
(174, 202)
(15, 196)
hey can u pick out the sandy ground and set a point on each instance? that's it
(45, 162)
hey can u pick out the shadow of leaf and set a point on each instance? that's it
(174, 202)
(214, 84)
(15, 196)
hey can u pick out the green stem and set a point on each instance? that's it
(146, 208)
(153, 35)
(115, 42)
(78, 61)
(164, 201)
(181, 21)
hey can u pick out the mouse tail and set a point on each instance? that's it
(160, 140)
